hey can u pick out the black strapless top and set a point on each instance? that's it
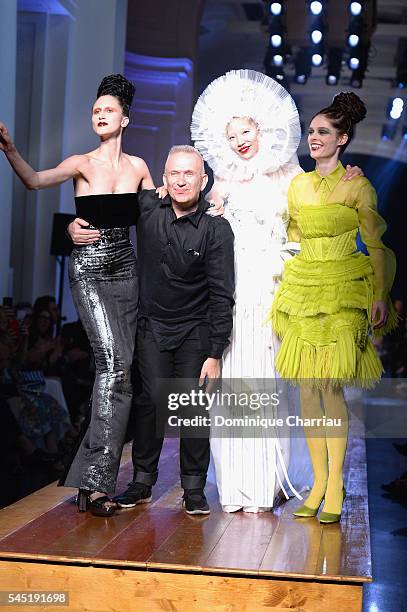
(108, 210)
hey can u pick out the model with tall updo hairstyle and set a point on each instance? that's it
(118, 86)
(333, 298)
(344, 112)
(103, 280)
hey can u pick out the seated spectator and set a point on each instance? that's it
(76, 369)
(48, 303)
(23, 466)
(43, 349)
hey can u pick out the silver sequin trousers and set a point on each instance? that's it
(104, 284)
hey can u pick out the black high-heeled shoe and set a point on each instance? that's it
(82, 500)
(97, 506)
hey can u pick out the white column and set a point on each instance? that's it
(8, 21)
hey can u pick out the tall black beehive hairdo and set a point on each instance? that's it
(119, 87)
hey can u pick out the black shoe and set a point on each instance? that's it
(137, 493)
(100, 506)
(195, 502)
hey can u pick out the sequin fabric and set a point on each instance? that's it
(104, 285)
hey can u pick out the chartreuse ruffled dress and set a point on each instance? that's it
(322, 310)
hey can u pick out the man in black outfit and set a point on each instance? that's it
(186, 270)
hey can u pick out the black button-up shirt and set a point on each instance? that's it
(186, 269)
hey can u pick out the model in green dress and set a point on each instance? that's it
(332, 298)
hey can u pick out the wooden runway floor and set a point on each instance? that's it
(167, 560)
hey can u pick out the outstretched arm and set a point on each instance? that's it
(32, 179)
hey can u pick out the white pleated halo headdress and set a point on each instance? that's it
(251, 94)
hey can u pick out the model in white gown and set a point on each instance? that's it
(251, 470)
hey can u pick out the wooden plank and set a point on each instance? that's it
(190, 545)
(243, 543)
(38, 535)
(143, 536)
(294, 547)
(100, 589)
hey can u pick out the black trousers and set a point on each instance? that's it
(183, 362)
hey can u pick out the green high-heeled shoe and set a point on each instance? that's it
(330, 517)
(305, 511)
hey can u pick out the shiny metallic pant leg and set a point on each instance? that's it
(104, 287)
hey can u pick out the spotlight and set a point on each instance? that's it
(316, 8)
(398, 103)
(275, 73)
(358, 64)
(316, 59)
(354, 63)
(353, 40)
(397, 106)
(316, 36)
(395, 113)
(276, 40)
(355, 8)
(302, 62)
(275, 8)
(334, 65)
(278, 60)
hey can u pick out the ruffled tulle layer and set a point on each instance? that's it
(326, 272)
(323, 321)
(305, 301)
(348, 359)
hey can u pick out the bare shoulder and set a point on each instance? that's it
(73, 164)
(75, 159)
(137, 162)
(84, 160)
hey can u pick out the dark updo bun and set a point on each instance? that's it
(119, 87)
(348, 103)
(346, 110)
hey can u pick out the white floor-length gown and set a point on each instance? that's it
(251, 470)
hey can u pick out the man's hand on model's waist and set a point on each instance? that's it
(80, 235)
